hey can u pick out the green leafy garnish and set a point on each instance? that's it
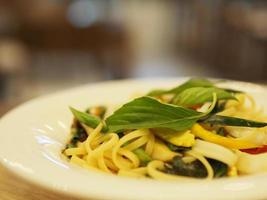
(87, 119)
(146, 112)
(232, 121)
(200, 95)
(194, 82)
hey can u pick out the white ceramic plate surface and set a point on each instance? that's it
(33, 135)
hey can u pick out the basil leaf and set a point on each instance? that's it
(232, 121)
(146, 112)
(87, 119)
(188, 84)
(200, 95)
(158, 92)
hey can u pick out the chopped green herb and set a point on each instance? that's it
(220, 169)
(143, 156)
(192, 169)
(178, 149)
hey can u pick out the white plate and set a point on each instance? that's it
(32, 136)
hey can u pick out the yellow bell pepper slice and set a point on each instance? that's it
(231, 143)
(184, 139)
(162, 152)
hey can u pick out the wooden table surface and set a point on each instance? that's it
(15, 188)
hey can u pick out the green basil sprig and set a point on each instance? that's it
(200, 95)
(87, 119)
(195, 91)
(194, 82)
(146, 112)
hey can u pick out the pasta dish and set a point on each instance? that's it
(195, 130)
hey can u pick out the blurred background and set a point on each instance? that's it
(48, 45)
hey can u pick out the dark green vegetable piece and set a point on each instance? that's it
(232, 91)
(196, 168)
(80, 135)
(78, 132)
(74, 139)
(194, 82)
(143, 156)
(179, 149)
(146, 112)
(87, 119)
(71, 145)
(179, 167)
(231, 121)
(221, 131)
(200, 95)
(220, 169)
(219, 107)
(120, 134)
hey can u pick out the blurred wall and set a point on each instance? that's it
(50, 45)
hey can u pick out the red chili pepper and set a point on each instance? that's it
(258, 150)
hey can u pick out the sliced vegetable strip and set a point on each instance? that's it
(231, 143)
(258, 150)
